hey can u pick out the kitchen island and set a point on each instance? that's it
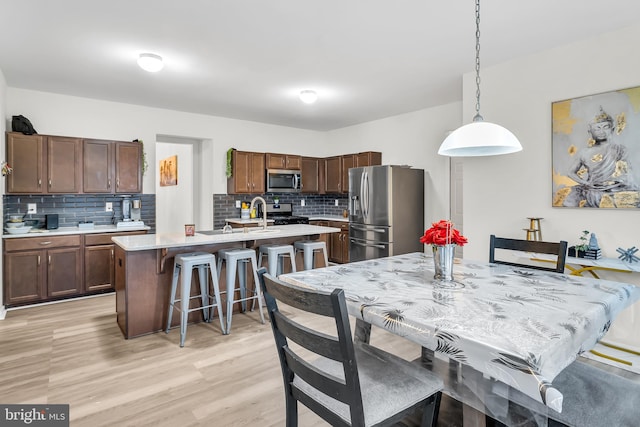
(144, 266)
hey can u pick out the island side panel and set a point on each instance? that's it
(141, 292)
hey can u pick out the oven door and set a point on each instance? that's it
(283, 181)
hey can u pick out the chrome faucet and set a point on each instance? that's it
(264, 210)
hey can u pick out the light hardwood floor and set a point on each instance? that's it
(73, 352)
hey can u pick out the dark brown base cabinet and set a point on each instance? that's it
(339, 243)
(40, 269)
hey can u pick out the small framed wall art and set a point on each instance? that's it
(169, 171)
(596, 151)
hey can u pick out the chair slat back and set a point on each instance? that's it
(554, 248)
(340, 380)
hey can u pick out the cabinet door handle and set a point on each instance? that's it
(49, 183)
(111, 253)
(38, 260)
(109, 183)
(118, 183)
(45, 243)
(39, 182)
(49, 259)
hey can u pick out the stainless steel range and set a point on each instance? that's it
(282, 214)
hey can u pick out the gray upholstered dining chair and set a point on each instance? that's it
(595, 397)
(345, 383)
(554, 248)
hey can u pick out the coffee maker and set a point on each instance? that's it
(126, 209)
(136, 205)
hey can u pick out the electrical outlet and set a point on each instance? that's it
(109, 207)
(32, 208)
(302, 202)
(336, 202)
(238, 205)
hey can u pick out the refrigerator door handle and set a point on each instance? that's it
(367, 245)
(361, 200)
(375, 230)
(366, 194)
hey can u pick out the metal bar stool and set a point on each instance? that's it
(275, 258)
(233, 257)
(184, 264)
(309, 248)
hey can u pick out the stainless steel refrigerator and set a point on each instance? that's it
(386, 211)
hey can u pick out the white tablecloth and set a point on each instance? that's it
(517, 325)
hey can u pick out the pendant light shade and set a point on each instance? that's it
(479, 138)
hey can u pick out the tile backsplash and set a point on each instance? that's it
(224, 205)
(73, 208)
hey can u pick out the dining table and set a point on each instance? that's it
(498, 327)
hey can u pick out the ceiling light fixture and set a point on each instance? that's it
(150, 62)
(479, 138)
(308, 96)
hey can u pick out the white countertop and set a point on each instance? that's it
(328, 218)
(339, 218)
(247, 221)
(62, 231)
(173, 240)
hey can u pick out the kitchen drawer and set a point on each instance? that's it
(342, 225)
(105, 238)
(31, 243)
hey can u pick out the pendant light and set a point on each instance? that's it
(479, 138)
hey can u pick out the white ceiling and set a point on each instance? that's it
(248, 59)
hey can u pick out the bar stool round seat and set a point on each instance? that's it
(309, 249)
(183, 265)
(237, 260)
(276, 255)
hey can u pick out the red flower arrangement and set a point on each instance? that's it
(442, 233)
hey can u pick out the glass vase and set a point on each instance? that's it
(443, 261)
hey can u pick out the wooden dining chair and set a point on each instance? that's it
(536, 247)
(345, 383)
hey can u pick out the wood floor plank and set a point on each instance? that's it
(73, 352)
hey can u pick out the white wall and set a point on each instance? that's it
(55, 114)
(409, 139)
(73, 116)
(501, 192)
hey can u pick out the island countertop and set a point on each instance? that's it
(176, 240)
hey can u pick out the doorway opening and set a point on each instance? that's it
(186, 200)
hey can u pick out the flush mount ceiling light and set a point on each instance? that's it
(479, 138)
(150, 62)
(308, 96)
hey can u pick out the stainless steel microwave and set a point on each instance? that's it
(283, 181)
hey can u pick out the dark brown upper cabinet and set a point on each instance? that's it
(247, 173)
(283, 161)
(48, 164)
(43, 164)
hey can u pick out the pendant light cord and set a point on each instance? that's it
(477, 117)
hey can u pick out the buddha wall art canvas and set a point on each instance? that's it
(596, 151)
